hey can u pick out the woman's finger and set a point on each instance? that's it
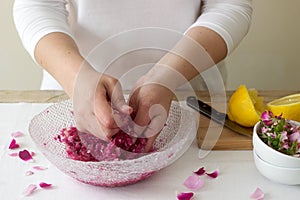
(116, 96)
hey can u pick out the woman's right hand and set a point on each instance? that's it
(93, 96)
(92, 92)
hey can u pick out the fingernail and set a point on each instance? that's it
(126, 109)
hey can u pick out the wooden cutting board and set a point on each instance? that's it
(228, 139)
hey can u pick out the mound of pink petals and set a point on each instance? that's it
(120, 147)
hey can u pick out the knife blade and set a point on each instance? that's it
(217, 116)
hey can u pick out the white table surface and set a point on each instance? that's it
(237, 180)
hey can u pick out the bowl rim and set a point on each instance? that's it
(255, 135)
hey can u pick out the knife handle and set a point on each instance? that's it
(206, 109)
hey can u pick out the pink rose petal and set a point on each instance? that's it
(17, 134)
(13, 144)
(200, 171)
(185, 195)
(193, 182)
(213, 174)
(32, 153)
(295, 137)
(13, 154)
(45, 185)
(25, 155)
(29, 173)
(258, 194)
(40, 168)
(29, 190)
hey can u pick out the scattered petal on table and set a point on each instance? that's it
(213, 174)
(258, 194)
(32, 153)
(193, 182)
(200, 171)
(29, 190)
(17, 134)
(40, 168)
(13, 144)
(28, 173)
(13, 154)
(45, 185)
(185, 195)
(25, 155)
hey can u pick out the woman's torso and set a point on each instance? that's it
(97, 22)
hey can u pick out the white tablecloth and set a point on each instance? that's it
(237, 180)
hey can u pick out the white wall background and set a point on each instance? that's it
(17, 70)
(268, 58)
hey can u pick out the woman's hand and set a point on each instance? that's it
(93, 96)
(92, 93)
(151, 103)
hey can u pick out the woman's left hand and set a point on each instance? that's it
(151, 103)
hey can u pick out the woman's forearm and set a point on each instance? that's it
(201, 40)
(200, 49)
(218, 30)
(211, 41)
(59, 55)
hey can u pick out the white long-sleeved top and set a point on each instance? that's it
(90, 22)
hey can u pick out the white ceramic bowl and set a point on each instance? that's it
(283, 175)
(270, 155)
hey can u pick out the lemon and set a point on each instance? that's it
(288, 106)
(245, 106)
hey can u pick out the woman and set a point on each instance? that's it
(62, 35)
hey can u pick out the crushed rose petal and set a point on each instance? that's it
(45, 185)
(280, 134)
(17, 134)
(13, 154)
(294, 137)
(40, 168)
(193, 182)
(29, 173)
(13, 144)
(87, 147)
(266, 118)
(29, 190)
(200, 171)
(25, 155)
(185, 195)
(258, 194)
(74, 148)
(213, 174)
(120, 147)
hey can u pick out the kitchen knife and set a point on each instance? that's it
(217, 116)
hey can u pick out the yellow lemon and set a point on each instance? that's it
(245, 106)
(288, 106)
